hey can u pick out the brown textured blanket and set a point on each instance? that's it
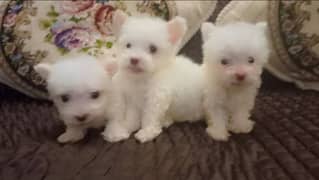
(284, 144)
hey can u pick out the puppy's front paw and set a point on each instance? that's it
(115, 135)
(70, 137)
(218, 133)
(241, 126)
(147, 134)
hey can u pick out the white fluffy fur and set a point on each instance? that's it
(229, 100)
(78, 78)
(161, 88)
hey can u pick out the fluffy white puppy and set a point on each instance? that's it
(153, 86)
(234, 56)
(80, 89)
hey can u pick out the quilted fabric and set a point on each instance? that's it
(284, 145)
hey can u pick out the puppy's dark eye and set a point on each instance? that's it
(251, 60)
(153, 49)
(224, 62)
(65, 98)
(128, 45)
(95, 95)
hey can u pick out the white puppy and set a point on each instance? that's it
(154, 87)
(80, 89)
(234, 56)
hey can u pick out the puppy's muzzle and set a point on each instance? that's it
(81, 118)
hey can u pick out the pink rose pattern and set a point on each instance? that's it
(11, 17)
(80, 25)
(10, 20)
(103, 19)
(74, 7)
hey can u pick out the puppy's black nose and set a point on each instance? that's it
(81, 118)
(134, 61)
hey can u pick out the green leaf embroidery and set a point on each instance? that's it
(109, 44)
(76, 20)
(85, 49)
(52, 13)
(48, 37)
(99, 43)
(63, 51)
(45, 24)
(19, 1)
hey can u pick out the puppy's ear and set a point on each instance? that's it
(176, 28)
(118, 19)
(109, 62)
(206, 29)
(111, 68)
(43, 69)
(262, 25)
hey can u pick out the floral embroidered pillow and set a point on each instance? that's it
(293, 32)
(36, 31)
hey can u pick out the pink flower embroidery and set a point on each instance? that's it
(10, 20)
(76, 6)
(103, 19)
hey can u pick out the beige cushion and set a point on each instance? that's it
(38, 31)
(293, 32)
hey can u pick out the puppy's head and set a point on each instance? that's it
(78, 87)
(235, 53)
(147, 44)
